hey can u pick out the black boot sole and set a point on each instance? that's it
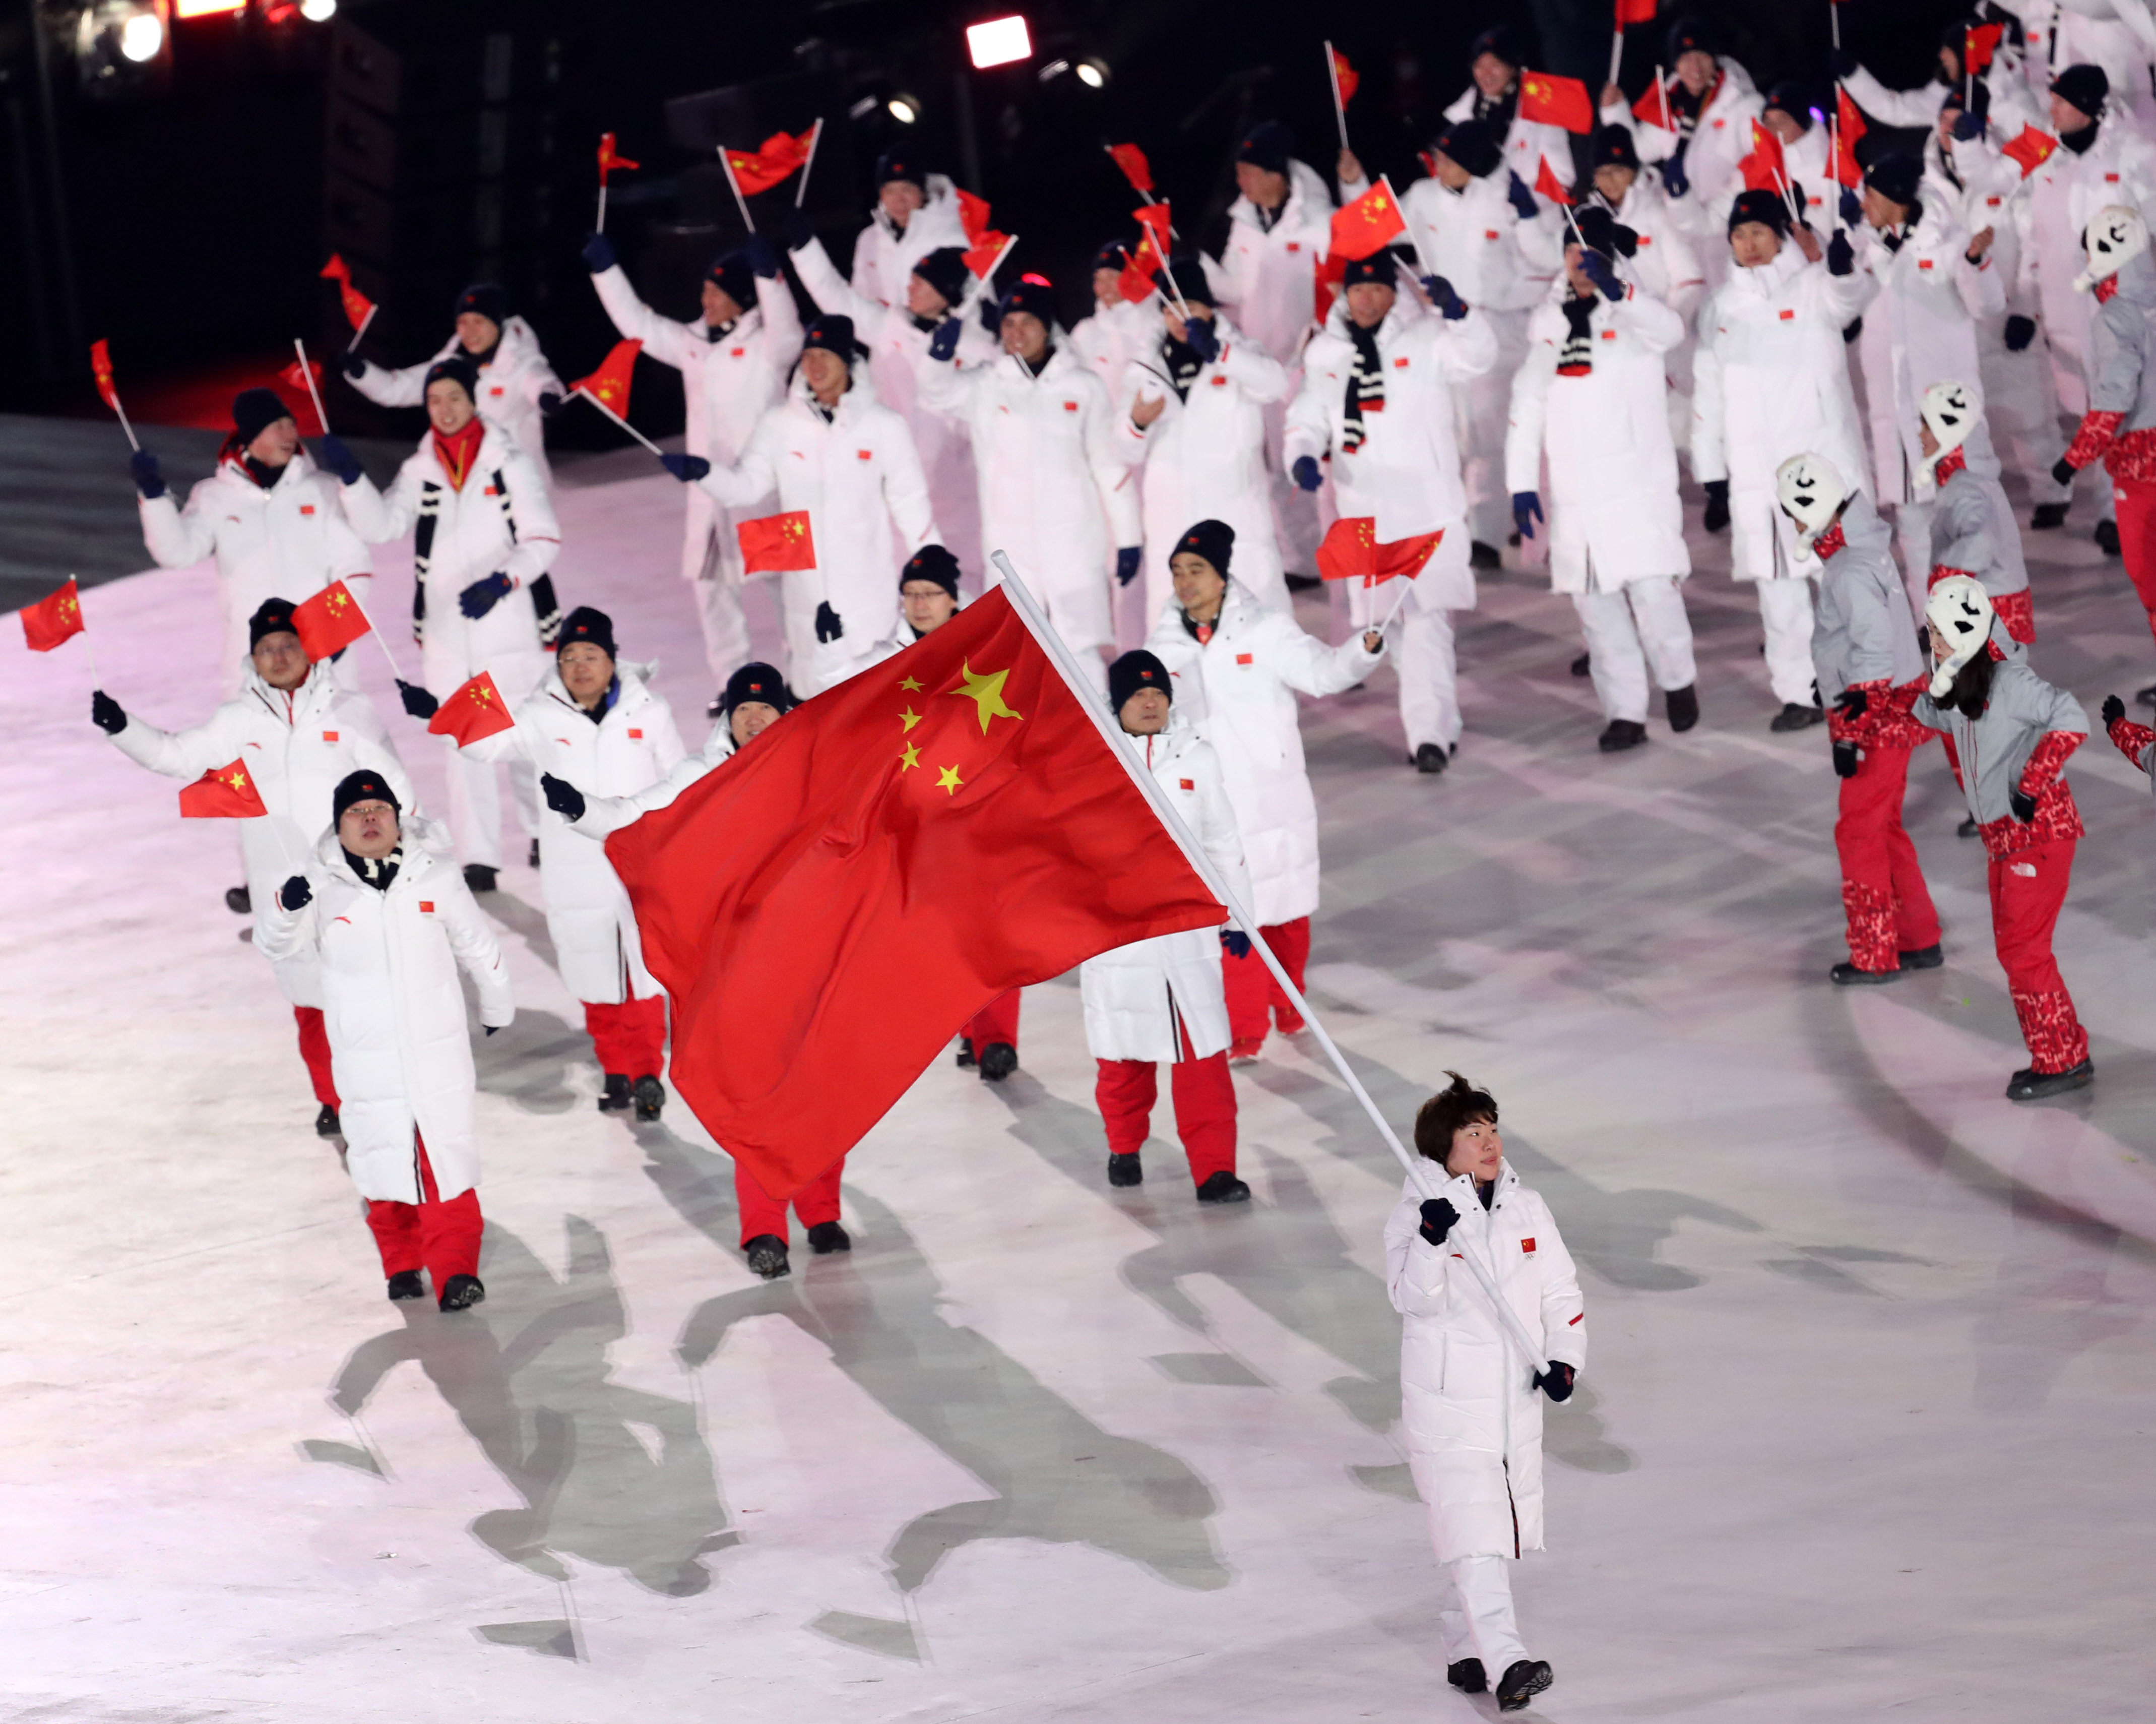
(2032, 1085)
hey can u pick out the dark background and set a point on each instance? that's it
(183, 214)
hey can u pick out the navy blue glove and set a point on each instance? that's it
(549, 403)
(1441, 295)
(331, 456)
(797, 230)
(564, 797)
(687, 468)
(481, 596)
(762, 256)
(598, 254)
(1520, 199)
(943, 345)
(1236, 942)
(2063, 471)
(418, 703)
(1556, 1383)
(1840, 255)
(1844, 759)
(1718, 505)
(1127, 558)
(1852, 702)
(1675, 181)
(1968, 127)
(1852, 207)
(106, 713)
(1598, 270)
(1439, 1218)
(353, 366)
(1198, 336)
(295, 894)
(1527, 508)
(148, 480)
(1306, 472)
(2020, 332)
(2024, 806)
(828, 625)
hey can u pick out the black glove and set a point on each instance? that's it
(353, 366)
(797, 230)
(1674, 180)
(295, 894)
(1197, 335)
(2114, 709)
(1128, 559)
(598, 254)
(1844, 759)
(1598, 270)
(1441, 295)
(1968, 127)
(2023, 804)
(828, 625)
(148, 480)
(1306, 472)
(1718, 505)
(1852, 206)
(564, 797)
(1845, 64)
(687, 468)
(2020, 332)
(2063, 471)
(1236, 943)
(1853, 703)
(1848, 336)
(943, 345)
(550, 402)
(420, 704)
(491, 1028)
(1520, 197)
(331, 456)
(109, 716)
(1556, 1383)
(1840, 255)
(1438, 1217)
(481, 596)
(762, 256)
(1527, 509)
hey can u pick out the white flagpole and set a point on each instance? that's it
(1418, 1171)
(307, 377)
(1339, 107)
(360, 331)
(131, 442)
(380, 639)
(801, 186)
(96, 677)
(620, 420)
(600, 226)
(734, 185)
(1616, 55)
(1413, 238)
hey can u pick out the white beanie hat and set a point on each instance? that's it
(1810, 492)
(1958, 612)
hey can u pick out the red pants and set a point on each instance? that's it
(442, 1239)
(315, 1049)
(995, 1022)
(1882, 888)
(2137, 538)
(2026, 891)
(762, 1213)
(1205, 1107)
(1251, 990)
(630, 1038)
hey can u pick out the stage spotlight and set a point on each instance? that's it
(318, 11)
(142, 36)
(999, 42)
(121, 45)
(1093, 74)
(904, 108)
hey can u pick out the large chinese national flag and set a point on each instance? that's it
(829, 906)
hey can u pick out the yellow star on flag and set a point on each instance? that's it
(950, 780)
(986, 694)
(909, 685)
(238, 781)
(909, 758)
(909, 719)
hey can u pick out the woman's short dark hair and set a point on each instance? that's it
(1459, 1104)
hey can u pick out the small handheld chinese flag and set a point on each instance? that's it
(778, 155)
(54, 618)
(100, 368)
(1136, 168)
(1550, 100)
(357, 306)
(1849, 127)
(1979, 45)
(1351, 550)
(2032, 149)
(610, 158)
(1153, 223)
(1764, 169)
(1634, 12)
(1653, 107)
(226, 793)
(1328, 273)
(973, 214)
(1135, 284)
(1345, 77)
(475, 710)
(988, 247)
(1367, 226)
(330, 621)
(1549, 185)
(777, 543)
(609, 384)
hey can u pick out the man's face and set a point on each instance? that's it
(1492, 76)
(368, 829)
(1368, 302)
(449, 409)
(477, 333)
(586, 671)
(1449, 173)
(1783, 124)
(1145, 713)
(1263, 187)
(280, 660)
(1613, 181)
(1026, 335)
(2067, 118)
(922, 300)
(721, 308)
(826, 372)
(898, 199)
(278, 444)
(751, 718)
(1107, 287)
(1752, 243)
(1882, 211)
(1199, 585)
(926, 605)
(1695, 70)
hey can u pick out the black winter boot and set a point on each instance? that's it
(1848, 976)
(1222, 1187)
(1430, 758)
(405, 1284)
(1793, 717)
(1467, 1676)
(1928, 957)
(2107, 537)
(239, 901)
(325, 1123)
(535, 853)
(615, 1098)
(650, 1097)
(2047, 517)
(767, 1256)
(999, 1060)
(463, 1293)
(1581, 666)
(965, 1060)
(1622, 733)
(2029, 1085)
(1683, 704)
(827, 1237)
(1521, 1684)
(1968, 827)
(1125, 1171)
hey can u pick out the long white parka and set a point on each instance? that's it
(509, 386)
(1135, 996)
(1469, 1410)
(1110, 337)
(400, 1045)
(1267, 276)
(727, 384)
(296, 747)
(1614, 515)
(1205, 459)
(884, 254)
(2065, 194)
(1771, 380)
(633, 745)
(1239, 690)
(287, 542)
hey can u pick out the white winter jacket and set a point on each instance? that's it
(1614, 515)
(1239, 690)
(1770, 380)
(1473, 238)
(1267, 276)
(633, 745)
(603, 814)
(509, 386)
(400, 1046)
(1469, 1411)
(728, 383)
(1721, 139)
(2065, 195)
(502, 522)
(884, 255)
(1135, 996)
(1527, 143)
(288, 542)
(1111, 336)
(296, 747)
(1205, 459)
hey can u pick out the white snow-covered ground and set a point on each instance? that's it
(1867, 1430)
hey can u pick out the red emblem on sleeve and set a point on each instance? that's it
(1527, 1245)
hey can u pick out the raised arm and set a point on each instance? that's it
(831, 291)
(664, 339)
(404, 386)
(376, 517)
(1652, 323)
(1895, 107)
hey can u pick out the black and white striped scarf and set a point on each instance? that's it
(1366, 388)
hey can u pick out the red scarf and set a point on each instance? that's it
(2105, 289)
(1952, 462)
(457, 453)
(1828, 542)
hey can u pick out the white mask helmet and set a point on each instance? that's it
(1950, 410)
(1959, 613)
(2113, 235)
(1810, 493)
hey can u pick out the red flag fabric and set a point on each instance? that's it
(1367, 226)
(330, 621)
(776, 543)
(1330, 271)
(54, 618)
(1135, 284)
(100, 368)
(609, 384)
(297, 378)
(356, 304)
(1153, 223)
(1653, 107)
(1136, 168)
(874, 869)
(760, 169)
(1764, 169)
(973, 214)
(2032, 149)
(1979, 45)
(1849, 127)
(1346, 77)
(475, 710)
(226, 793)
(1351, 550)
(1634, 12)
(1549, 186)
(610, 158)
(982, 257)
(1550, 100)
